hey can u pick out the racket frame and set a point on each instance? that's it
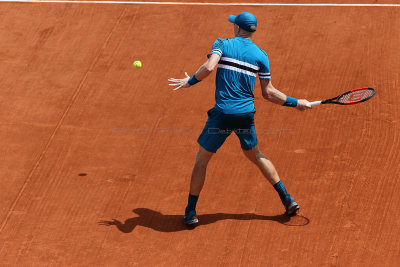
(332, 100)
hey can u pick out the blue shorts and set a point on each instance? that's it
(219, 126)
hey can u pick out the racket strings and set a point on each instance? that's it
(356, 96)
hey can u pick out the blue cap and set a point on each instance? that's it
(245, 20)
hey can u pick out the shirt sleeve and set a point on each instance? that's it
(218, 47)
(264, 73)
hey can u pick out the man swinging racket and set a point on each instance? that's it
(239, 60)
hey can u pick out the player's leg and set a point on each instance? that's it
(246, 133)
(196, 184)
(270, 173)
(248, 141)
(263, 163)
(210, 140)
(199, 171)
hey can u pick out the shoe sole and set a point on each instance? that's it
(191, 221)
(292, 210)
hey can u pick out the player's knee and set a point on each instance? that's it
(254, 154)
(250, 155)
(202, 160)
(260, 155)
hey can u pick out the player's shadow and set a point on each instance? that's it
(173, 223)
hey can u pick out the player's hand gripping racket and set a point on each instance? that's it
(349, 98)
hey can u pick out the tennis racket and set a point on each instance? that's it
(349, 98)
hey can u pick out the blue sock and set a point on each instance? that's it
(192, 201)
(280, 188)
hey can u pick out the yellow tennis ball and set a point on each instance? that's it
(137, 64)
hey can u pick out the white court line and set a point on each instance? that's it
(200, 4)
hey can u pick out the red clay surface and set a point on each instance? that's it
(86, 139)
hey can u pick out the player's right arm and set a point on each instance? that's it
(207, 67)
(212, 61)
(200, 74)
(270, 93)
(204, 69)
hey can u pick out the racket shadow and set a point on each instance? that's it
(173, 223)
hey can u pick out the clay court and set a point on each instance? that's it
(96, 156)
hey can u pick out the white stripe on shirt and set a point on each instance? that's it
(237, 70)
(256, 68)
(217, 51)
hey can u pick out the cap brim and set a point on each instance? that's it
(232, 18)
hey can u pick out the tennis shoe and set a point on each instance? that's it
(190, 218)
(291, 206)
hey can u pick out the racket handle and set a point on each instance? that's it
(315, 103)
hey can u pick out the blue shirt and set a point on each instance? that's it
(240, 62)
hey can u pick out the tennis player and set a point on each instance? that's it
(238, 60)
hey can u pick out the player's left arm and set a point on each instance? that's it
(272, 94)
(200, 74)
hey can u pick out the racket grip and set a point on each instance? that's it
(315, 103)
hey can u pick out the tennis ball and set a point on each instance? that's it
(137, 64)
